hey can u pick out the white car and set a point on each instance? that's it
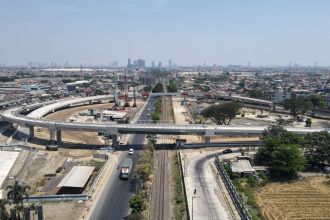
(131, 151)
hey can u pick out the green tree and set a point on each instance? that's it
(297, 106)
(172, 86)
(286, 161)
(256, 93)
(17, 193)
(308, 122)
(272, 138)
(158, 88)
(136, 203)
(317, 149)
(99, 92)
(317, 101)
(3, 212)
(222, 113)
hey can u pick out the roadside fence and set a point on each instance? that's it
(231, 190)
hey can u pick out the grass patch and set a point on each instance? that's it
(179, 204)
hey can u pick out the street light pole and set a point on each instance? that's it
(192, 206)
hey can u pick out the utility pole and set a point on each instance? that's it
(134, 104)
(115, 95)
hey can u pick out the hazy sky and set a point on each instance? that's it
(186, 31)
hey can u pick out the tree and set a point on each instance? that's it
(222, 113)
(308, 122)
(256, 93)
(136, 203)
(158, 88)
(172, 86)
(317, 149)
(297, 106)
(3, 212)
(272, 138)
(286, 161)
(317, 101)
(18, 192)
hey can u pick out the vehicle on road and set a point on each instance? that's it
(126, 168)
(227, 151)
(131, 151)
(148, 115)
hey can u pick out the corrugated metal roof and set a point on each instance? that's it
(242, 166)
(77, 177)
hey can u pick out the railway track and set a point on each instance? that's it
(160, 198)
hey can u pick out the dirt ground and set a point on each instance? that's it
(303, 199)
(62, 210)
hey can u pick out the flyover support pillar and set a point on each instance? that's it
(51, 135)
(31, 132)
(114, 138)
(59, 137)
(207, 139)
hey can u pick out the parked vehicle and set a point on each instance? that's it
(131, 151)
(227, 151)
(126, 168)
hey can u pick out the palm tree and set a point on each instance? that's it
(3, 212)
(17, 193)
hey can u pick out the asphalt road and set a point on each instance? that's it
(113, 203)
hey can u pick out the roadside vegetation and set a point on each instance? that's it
(140, 201)
(172, 86)
(178, 200)
(284, 154)
(17, 195)
(155, 116)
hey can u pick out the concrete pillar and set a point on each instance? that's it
(31, 132)
(51, 135)
(40, 213)
(207, 139)
(59, 137)
(114, 138)
(26, 213)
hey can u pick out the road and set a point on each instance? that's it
(208, 202)
(113, 202)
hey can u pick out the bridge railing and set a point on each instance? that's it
(232, 191)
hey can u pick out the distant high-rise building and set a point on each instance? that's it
(170, 63)
(129, 65)
(152, 64)
(160, 64)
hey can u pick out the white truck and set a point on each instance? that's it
(126, 168)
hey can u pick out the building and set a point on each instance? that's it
(153, 64)
(160, 65)
(170, 63)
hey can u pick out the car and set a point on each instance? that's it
(227, 151)
(131, 151)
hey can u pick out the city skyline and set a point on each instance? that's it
(235, 32)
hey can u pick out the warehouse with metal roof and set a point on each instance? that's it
(75, 181)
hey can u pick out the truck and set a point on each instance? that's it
(126, 168)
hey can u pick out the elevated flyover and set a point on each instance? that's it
(35, 119)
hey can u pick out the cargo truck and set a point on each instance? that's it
(126, 168)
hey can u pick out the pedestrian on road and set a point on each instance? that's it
(195, 191)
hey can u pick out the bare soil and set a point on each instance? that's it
(303, 199)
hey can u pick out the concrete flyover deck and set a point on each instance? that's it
(34, 120)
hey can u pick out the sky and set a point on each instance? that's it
(189, 32)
